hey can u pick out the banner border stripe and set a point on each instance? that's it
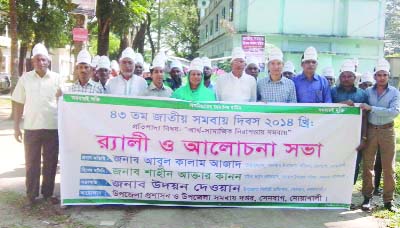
(211, 204)
(172, 104)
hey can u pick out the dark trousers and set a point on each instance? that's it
(377, 168)
(37, 143)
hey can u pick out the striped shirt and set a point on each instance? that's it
(282, 91)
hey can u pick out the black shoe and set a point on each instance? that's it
(391, 207)
(366, 205)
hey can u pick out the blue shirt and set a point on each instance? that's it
(385, 107)
(356, 95)
(316, 90)
(279, 91)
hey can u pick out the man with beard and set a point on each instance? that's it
(126, 83)
(207, 71)
(176, 71)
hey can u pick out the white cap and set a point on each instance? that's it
(275, 54)
(288, 67)
(206, 61)
(95, 61)
(40, 49)
(84, 57)
(177, 64)
(114, 65)
(159, 61)
(382, 64)
(146, 67)
(196, 64)
(128, 53)
(252, 60)
(310, 54)
(367, 77)
(328, 72)
(139, 58)
(348, 65)
(238, 53)
(104, 62)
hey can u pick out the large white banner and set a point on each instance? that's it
(118, 150)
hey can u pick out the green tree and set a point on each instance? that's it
(392, 28)
(179, 23)
(119, 17)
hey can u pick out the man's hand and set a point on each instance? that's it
(365, 107)
(362, 145)
(18, 134)
(348, 102)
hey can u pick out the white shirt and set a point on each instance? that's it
(133, 87)
(39, 98)
(234, 89)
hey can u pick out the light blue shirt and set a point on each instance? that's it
(385, 107)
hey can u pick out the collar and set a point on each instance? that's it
(270, 80)
(153, 87)
(303, 77)
(44, 76)
(374, 86)
(90, 82)
(353, 89)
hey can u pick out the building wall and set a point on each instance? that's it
(339, 29)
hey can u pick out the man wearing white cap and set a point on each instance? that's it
(207, 71)
(274, 87)
(35, 96)
(367, 80)
(311, 87)
(236, 86)
(139, 61)
(157, 87)
(383, 106)
(93, 64)
(175, 73)
(347, 93)
(146, 72)
(126, 83)
(114, 68)
(329, 74)
(252, 67)
(84, 69)
(104, 70)
(288, 70)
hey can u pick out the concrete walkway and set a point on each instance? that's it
(13, 214)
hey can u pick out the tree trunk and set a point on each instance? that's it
(148, 31)
(124, 43)
(22, 55)
(138, 42)
(103, 14)
(14, 45)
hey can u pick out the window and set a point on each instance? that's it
(223, 13)
(217, 23)
(206, 31)
(231, 10)
(211, 27)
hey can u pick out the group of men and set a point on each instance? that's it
(37, 91)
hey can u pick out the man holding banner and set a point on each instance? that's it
(35, 95)
(384, 107)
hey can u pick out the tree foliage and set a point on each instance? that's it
(179, 23)
(392, 28)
